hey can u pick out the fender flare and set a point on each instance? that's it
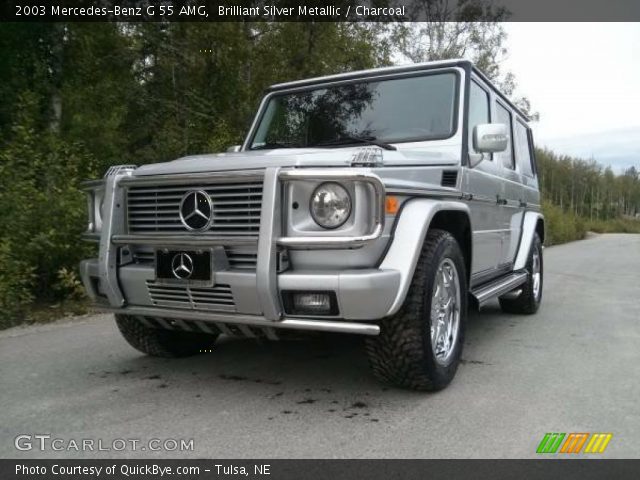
(529, 227)
(410, 232)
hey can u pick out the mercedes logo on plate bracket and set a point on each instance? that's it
(196, 210)
(182, 266)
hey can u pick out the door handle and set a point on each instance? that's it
(523, 204)
(500, 200)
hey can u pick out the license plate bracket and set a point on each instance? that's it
(185, 267)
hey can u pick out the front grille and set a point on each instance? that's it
(145, 255)
(242, 258)
(236, 208)
(218, 297)
(239, 258)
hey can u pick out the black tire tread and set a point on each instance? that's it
(158, 342)
(396, 356)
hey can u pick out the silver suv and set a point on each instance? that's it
(377, 203)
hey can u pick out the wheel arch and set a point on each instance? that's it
(458, 224)
(532, 223)
(417, 217)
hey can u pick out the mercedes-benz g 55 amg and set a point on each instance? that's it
(376, 203)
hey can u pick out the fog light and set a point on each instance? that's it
(310, 303)
(313, 302)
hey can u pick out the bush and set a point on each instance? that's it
(564, 227)
(42, 215)
(615, 225)
(16, 282)
(560, 226)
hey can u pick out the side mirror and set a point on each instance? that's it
(490, 137)
(234, 148)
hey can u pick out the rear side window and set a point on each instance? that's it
(478, 110)
(504, 116)
(523, 152)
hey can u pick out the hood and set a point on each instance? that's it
(290, 157)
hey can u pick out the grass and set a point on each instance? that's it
(616, 225)
(43, 312)
(562, 227)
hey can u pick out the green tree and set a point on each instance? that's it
(471, 29)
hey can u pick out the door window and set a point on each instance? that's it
(504, 116)
(478, 110)
(523, 151)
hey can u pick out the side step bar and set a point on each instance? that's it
(498, 287)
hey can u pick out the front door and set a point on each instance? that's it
(484, 186)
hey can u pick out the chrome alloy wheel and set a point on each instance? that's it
(535, 273)
(445, 311)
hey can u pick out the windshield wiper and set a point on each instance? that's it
(346, 139)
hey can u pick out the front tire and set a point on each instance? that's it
(420, 347)
(159, 342)
(530, 297)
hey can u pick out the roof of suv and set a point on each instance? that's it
(459, 62)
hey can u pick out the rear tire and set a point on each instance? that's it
(403, 353)
(162, 343)
(530, 298)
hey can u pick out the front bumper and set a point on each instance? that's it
(362, 296)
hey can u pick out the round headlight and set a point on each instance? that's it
(330, 205)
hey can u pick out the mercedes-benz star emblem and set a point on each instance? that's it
(182, 266)
(196, 210)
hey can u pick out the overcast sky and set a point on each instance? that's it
(584, 79)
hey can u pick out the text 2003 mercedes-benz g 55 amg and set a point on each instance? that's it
(376, 203)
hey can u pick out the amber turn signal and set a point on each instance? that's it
(391, 205)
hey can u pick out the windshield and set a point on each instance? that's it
(396, 110)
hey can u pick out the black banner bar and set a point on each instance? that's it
(579, 469)
(317, 10)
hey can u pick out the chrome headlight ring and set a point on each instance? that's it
(330, 205)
